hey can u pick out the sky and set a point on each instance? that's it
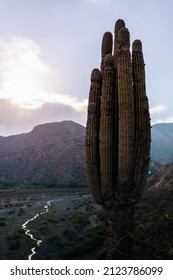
(48, 49)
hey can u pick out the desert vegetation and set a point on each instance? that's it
(79, 229)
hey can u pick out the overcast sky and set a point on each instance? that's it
(48, 49)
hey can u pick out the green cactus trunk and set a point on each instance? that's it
(107, 129)
(92, 143)
(118, 136)
(126, 114)
(142, 120)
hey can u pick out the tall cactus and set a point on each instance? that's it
(118, 136)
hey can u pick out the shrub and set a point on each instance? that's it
(2, 224)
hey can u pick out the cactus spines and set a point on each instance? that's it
(118, 136)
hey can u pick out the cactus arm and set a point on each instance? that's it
(126, 114)
(92, 136)
(106, 47)
(142, 118)
(107, 142)
(118, 25)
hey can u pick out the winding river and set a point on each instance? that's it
(25, 226)
(28, 231)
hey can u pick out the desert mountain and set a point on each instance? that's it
(162, 143)
(53, 153)
(50, 153)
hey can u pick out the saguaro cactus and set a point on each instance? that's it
(118, 136)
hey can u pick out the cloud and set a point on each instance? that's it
(157, 110)
(22, 72)
(163, 120)
(26, 96)
(160, 114)
(67, 100)
(20, 54)
(15, 120)
(23, 77)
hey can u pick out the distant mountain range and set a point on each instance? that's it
(53, 153)
(162, 143)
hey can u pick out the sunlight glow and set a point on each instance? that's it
(22, 88)
(23, 72)
(24, 77)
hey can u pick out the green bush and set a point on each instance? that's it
(70, 233)
(2, 218)
(54, 238)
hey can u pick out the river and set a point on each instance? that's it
(45, 210)
(28, 231)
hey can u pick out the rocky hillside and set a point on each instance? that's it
(54, 153)
(50, 153)
(162, 180)
(154, 218)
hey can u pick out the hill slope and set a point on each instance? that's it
(50, 153)
(162, 143)
(162, 180)
(54, 153)
(154, 218)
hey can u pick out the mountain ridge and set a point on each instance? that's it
(49, 153)
(54, 153)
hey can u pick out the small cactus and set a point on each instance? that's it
(118, 135)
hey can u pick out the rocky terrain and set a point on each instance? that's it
(50, 153)
(54, 154)
(162, 180)
(77, 228)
